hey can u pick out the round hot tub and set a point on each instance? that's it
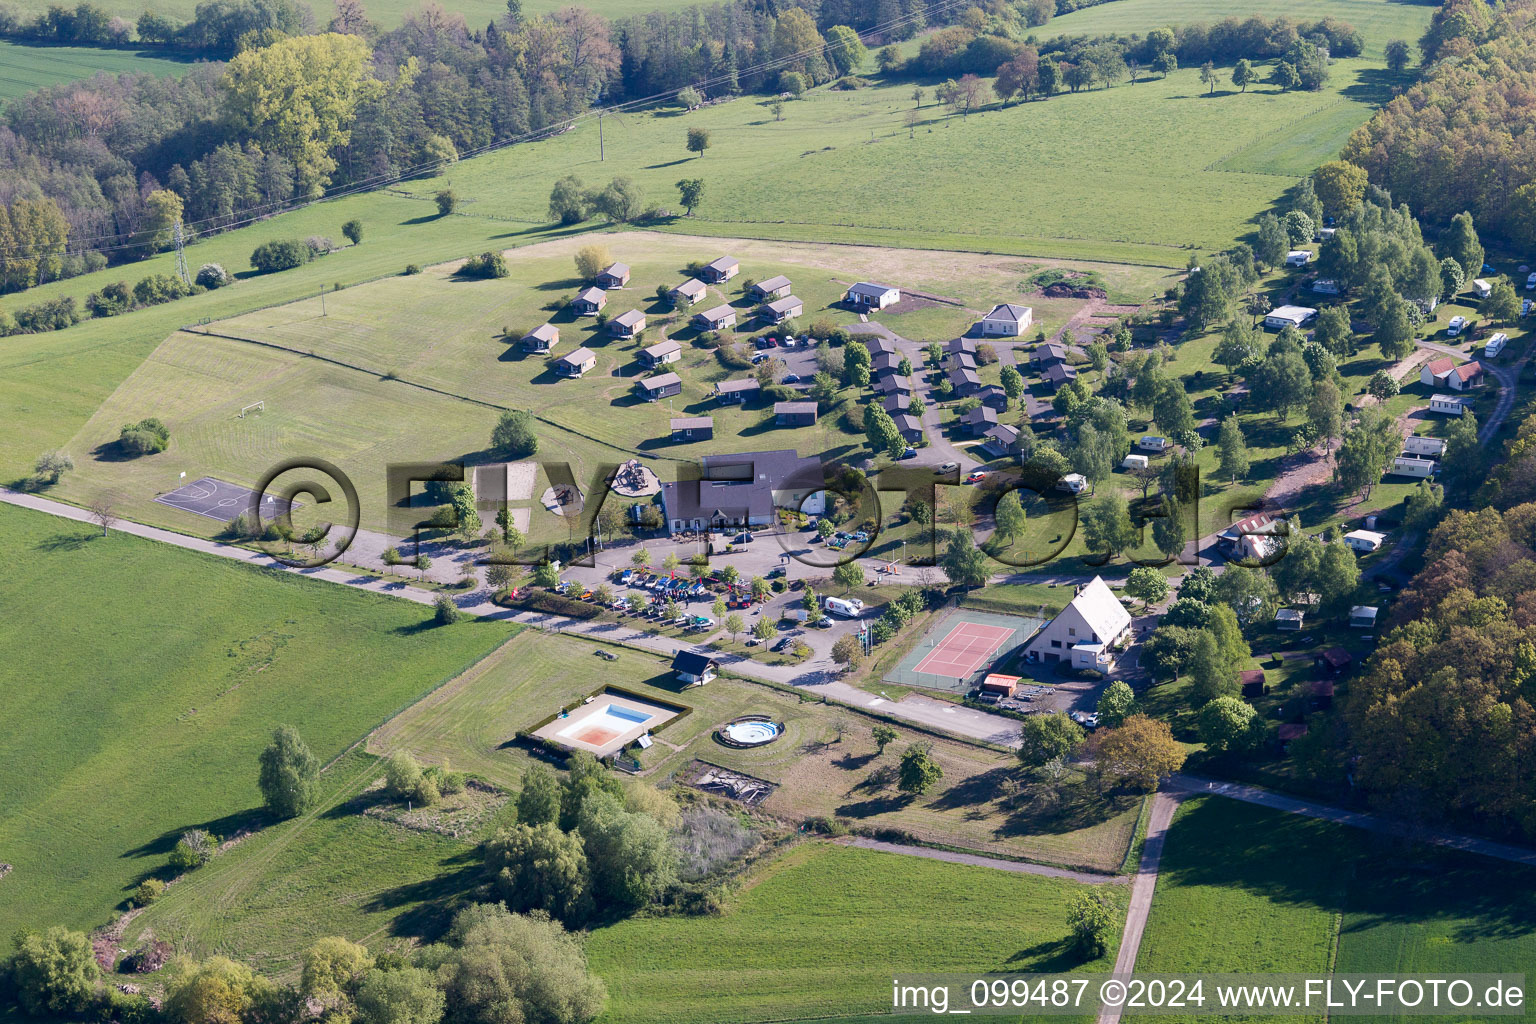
(749, 732)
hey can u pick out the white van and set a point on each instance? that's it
(1495, 345)
(848, 608)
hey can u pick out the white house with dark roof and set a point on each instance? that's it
(1085, 632)
(720, 270)
(867, 295)
(541, 339)
(773, 288)
(1006, 320)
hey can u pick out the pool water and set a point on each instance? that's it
(751, 733)
(613, 716)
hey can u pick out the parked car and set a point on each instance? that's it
(776, 572)
(1530, 282)
(1087, 719)
(783, 643)
(790, 378)
(976, 477)
(910, 453)
(946, 467)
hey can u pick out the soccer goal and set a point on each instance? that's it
(255, 407)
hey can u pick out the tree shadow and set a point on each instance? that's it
(426, 907)
(61, 542)
(1050, 956)
(248, 820)
(669, 163)
(876, 806)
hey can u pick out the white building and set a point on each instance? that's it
(866, 295)
(1364, 541)
(1007, 320)
(1417, 444)
(1085, 632)
(1414, 465)
(1289, 316)
(1451, 405)
(1363, 616)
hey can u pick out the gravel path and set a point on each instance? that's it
(952, 857)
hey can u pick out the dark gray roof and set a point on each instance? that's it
(660, 381)
(885, 362)
(907, 423)
(960, 345)
(782, 408)
(693, 422)
(897, 402)
(963, 376)
(629, 319)
(980, 414)
(744, 483)
(893, 383)
(1059, 372)
(728, 387)
(692, 663)
(773, 284)
(1050, 353)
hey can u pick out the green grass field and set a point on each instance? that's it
(469, 721)
(1245, 889)
(24, 68)
(1379, 21)
(841, 166)
(148, 683)
(820, 933)
(443, 333)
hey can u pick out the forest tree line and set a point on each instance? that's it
(1460, 138)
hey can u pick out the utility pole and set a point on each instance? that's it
(181, 255)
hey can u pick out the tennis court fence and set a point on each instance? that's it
(1019, 630)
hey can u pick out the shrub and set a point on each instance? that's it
(211, 275)
(146, 437)
(53, 315)
(487, 264)
(352, 231)
(445, 613)
(194, 849)
(411, 269)
(708, 841)
(110, 301)
(280, 255)
(50, 467)
(53, 972)
(148, 891)
(446, 201)
(158, 288)
(319, 245)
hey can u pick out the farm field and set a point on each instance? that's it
(1379, 21)
(24, 68)
(414, 368)
(1075, 195)
(1246, 889)
(148, 719)
(468, 723)
(820, 932)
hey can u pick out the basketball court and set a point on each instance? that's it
(221, 500)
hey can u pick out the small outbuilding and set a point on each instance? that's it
(720, 270)
(737, 392)
(541, 339)
(693, 668)
(866, 296)
(627, 325)
(574, 364)
(1450, 405)
(590, 301)
(660, 354)
(1364, 541)
(693, 428)
(794, 414)
(614, 276)
(773, 288)
(1363, 616)
(1333, 662)
(687, 293)
(716, 319)
(663, 385)
(1006, 320)
(779, 310)
(1289, 618)
(1252, 683)
(1001, 685)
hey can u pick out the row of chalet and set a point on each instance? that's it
(1051, 360)
(891, 386)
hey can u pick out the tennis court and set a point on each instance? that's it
(962, 647)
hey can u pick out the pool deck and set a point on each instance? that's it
(603, 737)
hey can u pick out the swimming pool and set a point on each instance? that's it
(612, 718)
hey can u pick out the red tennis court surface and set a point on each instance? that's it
(963, 649)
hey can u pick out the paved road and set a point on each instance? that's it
(1508, 376)
(818, 676)
(1142, 887)
(977, 860)
(1193, 785)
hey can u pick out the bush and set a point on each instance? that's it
(110, 301)
(446, 613)
(211, 276)
(487, 264)
(280, 255)
(158, 288)
(513, 435)
(446, 201)
(708, 841)
(54, 972)
(53, 315)
(146, 437)
(411, 270)
(319, 245)
(148, 891)
(352, 231)
(194, 849)
(50, 467)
